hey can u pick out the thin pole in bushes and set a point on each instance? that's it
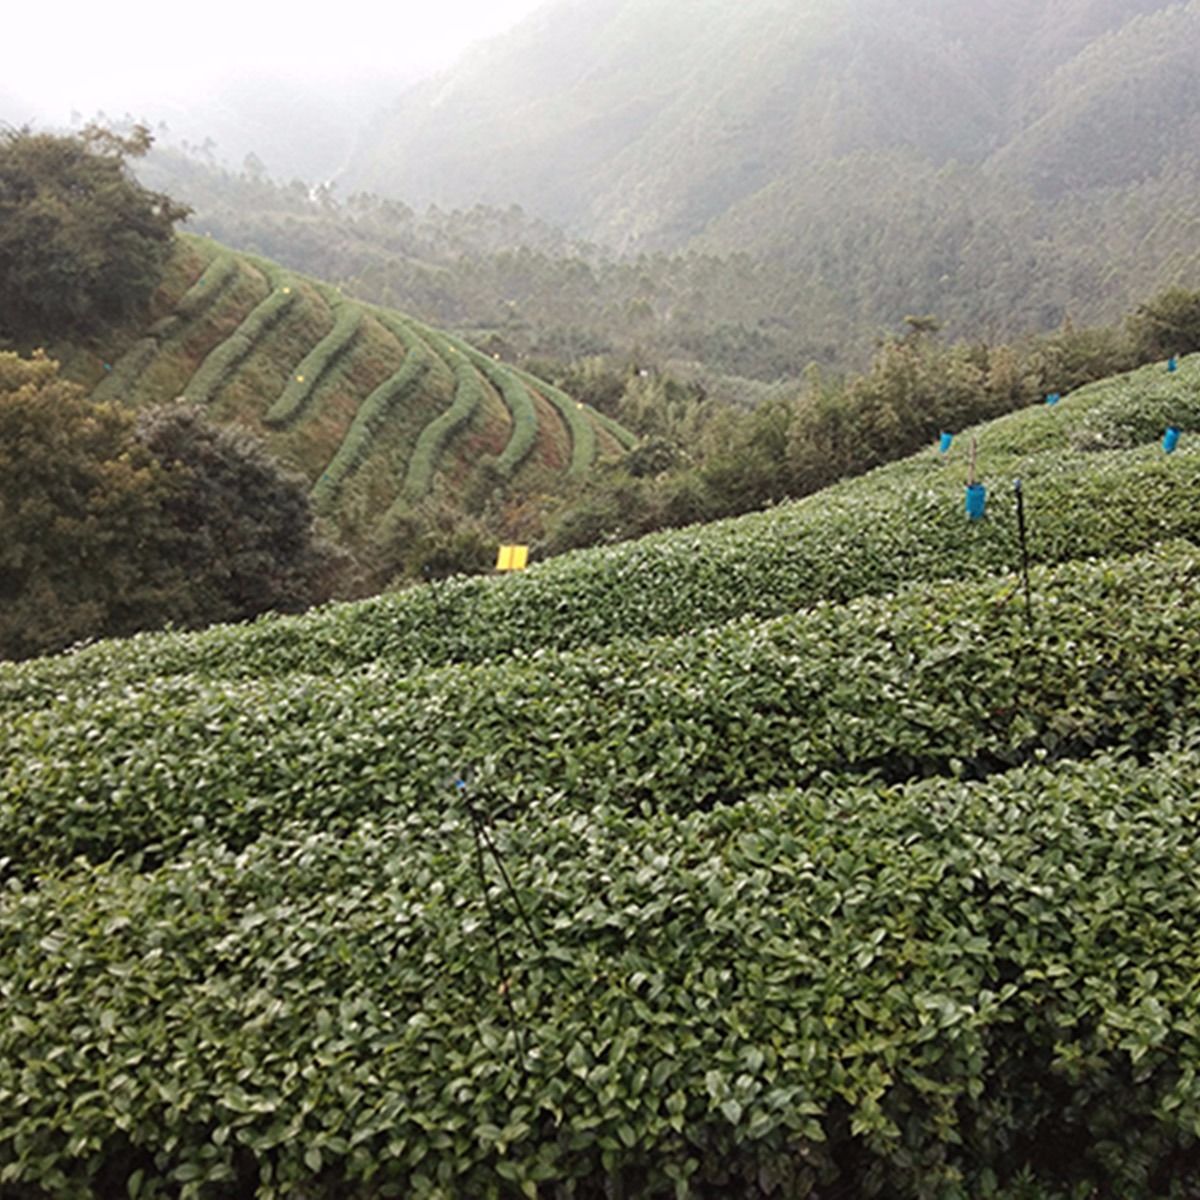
(484, 840)
(1021, 533)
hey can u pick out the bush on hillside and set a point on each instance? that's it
(243, 528)
(81, 516)
(81, 243)
(1168, 324)
(109, 525)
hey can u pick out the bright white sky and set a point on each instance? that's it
(113, 54)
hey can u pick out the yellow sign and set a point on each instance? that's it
(512, 558)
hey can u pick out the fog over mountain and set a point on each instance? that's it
(645, 123)
(290, 81)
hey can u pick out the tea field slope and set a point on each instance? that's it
(798, 856)
(1096, 482)
(341, 391)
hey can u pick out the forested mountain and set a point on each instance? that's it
(643, 121)
(1003, 167)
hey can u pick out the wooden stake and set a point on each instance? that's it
(974, 457)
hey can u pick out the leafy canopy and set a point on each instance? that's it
(109, 525)
(81, 243)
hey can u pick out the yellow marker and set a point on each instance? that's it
(512, 558)
(299, 378)
(287, 291)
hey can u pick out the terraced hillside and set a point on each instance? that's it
(367, 403)
(791, 856)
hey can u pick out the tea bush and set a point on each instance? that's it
(944, 988)
(938, 679)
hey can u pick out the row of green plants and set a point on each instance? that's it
(517, 399)
(938, 679)
(957, 989)
(579, 425)
(372, 413)
(468, 396)
(868, 535)
(221, 363)
(317, 367)
(219, 276)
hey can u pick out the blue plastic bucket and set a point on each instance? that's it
(944, 442)
(1171, 439)
(1053, 398)
(1172, 364)
(976, 501)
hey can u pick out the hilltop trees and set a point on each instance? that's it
(81, 243)
(241, 527)
(80, 516)
(109, 525)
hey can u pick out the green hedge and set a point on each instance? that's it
(1140, 411)
(372, 413)
(578, 421)
(316, 367)
(517, 400)
(436, 435)
(903, 523)
(941, 678)
(950, 989)
(225, 359)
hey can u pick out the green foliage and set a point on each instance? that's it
(870, 535)
(893, 897)
(82, 245)
(246, 534)
(1167, 325)
(434, 437)
(371, 415)
(317, 367)
(81, 534)
(220, 365)
(219, 277)
(941, 678)
(515, 394)
(933, 986)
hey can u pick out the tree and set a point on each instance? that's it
(109, 524)
(1167, 324)
(243, 531)
(80, 516)
(82, 244)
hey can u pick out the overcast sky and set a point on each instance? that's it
(119, 54)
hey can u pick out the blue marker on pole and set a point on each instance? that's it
(1053, 398)
(1171, 439)
(944, 442)
(976, 501)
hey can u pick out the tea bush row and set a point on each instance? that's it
(517, 400)
(215, 281)
(225, 358)
(903, 523)
(316, 367)
(578, 422)
(939, 679)
(952, 989)
(372, 413)
(431, 444)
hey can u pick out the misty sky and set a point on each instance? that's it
(122, 54)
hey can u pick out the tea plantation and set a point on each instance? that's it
(367, 403)
(799, 855)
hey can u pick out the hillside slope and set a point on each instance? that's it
(872, 159)
(793, 856)
(370, 405)
(637, 124)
